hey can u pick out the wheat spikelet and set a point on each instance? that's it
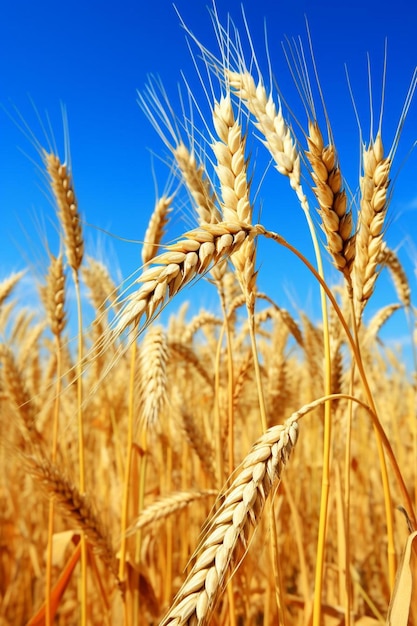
(231, 524)
(373, 208)
(337, 373)
(62, 187)
(166, 506)
(53, 295)
(153, 359)
(336, 219)
(156, 228)
(178, 265)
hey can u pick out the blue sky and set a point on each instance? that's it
(93, 57)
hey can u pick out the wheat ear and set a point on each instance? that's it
(53, 295)
(8, 284)
(231, 524)
(178, 265)
(232, 171)
(390, 260)
(156, 228)
(102, 289)
(20, 396)
(62, 187)
(74, 505)
(337, 220)
(168, 505)
(198, 185)
(153, 359)
(373, 208)
(270, 121)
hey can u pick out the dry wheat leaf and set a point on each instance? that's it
(60, 544)
(39, 619)
(402, 610)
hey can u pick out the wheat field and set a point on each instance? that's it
(142, 456)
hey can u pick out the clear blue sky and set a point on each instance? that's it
(94, 56)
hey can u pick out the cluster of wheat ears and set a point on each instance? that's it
(142, 466)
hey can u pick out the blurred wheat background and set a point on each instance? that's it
(220, 430)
